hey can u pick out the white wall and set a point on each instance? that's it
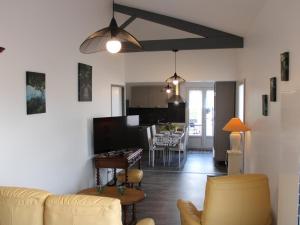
(274, 31)
(196, 65)
(51, 151)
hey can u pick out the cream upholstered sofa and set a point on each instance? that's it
(231, 200)
(23, 206)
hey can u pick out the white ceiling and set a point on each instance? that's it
(233, 16)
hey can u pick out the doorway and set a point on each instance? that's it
(117, 100)
(201, 118)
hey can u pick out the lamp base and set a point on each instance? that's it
(234, 162)
(235, 141)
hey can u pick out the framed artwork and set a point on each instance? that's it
(84, 82)
(35, 92)
(273, 89)
(265, 109)
(285, 66)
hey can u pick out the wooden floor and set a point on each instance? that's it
(164, 187)
(196, 162)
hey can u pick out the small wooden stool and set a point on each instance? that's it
(134, 176)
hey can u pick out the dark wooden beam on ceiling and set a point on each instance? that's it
(127, 22)
(184, 44)
(210, 37)
(172, 22)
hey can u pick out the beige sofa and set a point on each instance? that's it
(23, 206)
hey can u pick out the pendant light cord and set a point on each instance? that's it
(113, 12)
(175, 62)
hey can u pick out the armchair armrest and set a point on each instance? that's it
(147, 221)
(189, 213)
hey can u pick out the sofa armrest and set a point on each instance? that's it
(147, 221)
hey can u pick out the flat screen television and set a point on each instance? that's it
(115, 133)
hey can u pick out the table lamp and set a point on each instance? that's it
(235, 126)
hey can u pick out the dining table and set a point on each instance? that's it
(170, 141)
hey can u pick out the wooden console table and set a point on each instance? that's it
(121, 161)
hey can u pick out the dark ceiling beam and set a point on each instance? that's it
(185, 44)
(172, 22)
(127, 22)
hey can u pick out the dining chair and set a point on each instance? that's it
(176, 144)
(160, 143)
(150, 143)
(185, 142)
(153, 130)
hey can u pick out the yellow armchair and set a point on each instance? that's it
(231, 200)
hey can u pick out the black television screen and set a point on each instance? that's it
(115, 133)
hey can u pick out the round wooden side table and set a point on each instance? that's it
(130, 197)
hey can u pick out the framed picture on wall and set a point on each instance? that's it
(285, 66)
(35, 92)
(84, 82)
(265, 110)
(273, 89)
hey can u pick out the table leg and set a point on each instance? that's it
(133, 214)
(126, 177)
(97, 176)
(115, 176)
(124, 214)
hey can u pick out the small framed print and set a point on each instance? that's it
(273, 89)
(35, 92)
(84, 82)
(285, 66)
(265, 109)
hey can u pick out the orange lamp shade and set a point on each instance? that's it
(236, 125)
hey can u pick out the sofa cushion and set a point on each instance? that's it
(82, 210)
(21, 206)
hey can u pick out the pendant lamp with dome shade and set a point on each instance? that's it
(109, 38)
(168, 88)
(175, 79)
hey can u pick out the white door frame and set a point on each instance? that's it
(122, 97)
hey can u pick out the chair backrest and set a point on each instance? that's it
(22, 206)
(153, 129)
(176, 141)
(186, 138)
(159, 140)
(149, 138)
(237, 200)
